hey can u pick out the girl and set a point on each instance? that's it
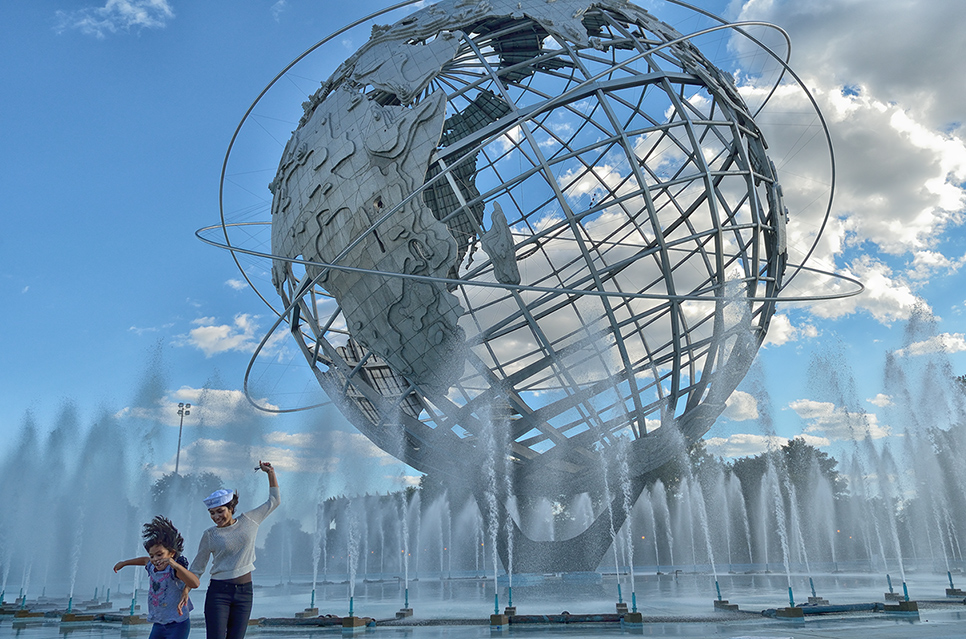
(231, 543)
(169, 577)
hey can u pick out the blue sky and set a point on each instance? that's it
(116, 118)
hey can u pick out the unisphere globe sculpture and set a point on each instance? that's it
(523, 239)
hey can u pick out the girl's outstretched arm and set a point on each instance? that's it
(189, 578)
(137, 561)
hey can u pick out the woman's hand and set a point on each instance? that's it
(266, 467)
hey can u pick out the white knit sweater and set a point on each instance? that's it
(233, 547)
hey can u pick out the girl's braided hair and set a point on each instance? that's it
(161, 532)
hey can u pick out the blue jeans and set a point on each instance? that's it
(174, 630)
(228, 607)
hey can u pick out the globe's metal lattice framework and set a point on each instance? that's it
(623, 165)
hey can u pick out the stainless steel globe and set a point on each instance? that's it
(515, 236)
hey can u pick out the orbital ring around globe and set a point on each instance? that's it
(282, 315)
(859, 287)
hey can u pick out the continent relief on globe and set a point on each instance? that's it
(348, 164)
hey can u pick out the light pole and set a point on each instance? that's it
(183, 409)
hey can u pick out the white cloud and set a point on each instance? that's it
(213, 407)
(242, 335)
(584, 181)
(747, 444)
(218, 338)
(237, 284)
(781, 331)
(278, 8)
(510, 139)
(741, 406)
(927, 263)
(337, 442)
(943, 343)
(886, 297)
(881, 400)
(141, 331)
(898, 135)
(115, 16)
(837, 423)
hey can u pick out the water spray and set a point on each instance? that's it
(718, 589)
(509, 596)
(496, 603)
(350, 605)
(948, 574)
(406, 601)
(620, 599)
(108, 598)
(312, 604)
(889, 579)
(812, 584)
(634, 601)
(70, 605)
(791, 598)
(905, 591)
(134, 600)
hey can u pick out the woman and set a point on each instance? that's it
(231, 544)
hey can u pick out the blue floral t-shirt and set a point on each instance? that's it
(164, 593)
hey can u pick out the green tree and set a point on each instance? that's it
(172, 488)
